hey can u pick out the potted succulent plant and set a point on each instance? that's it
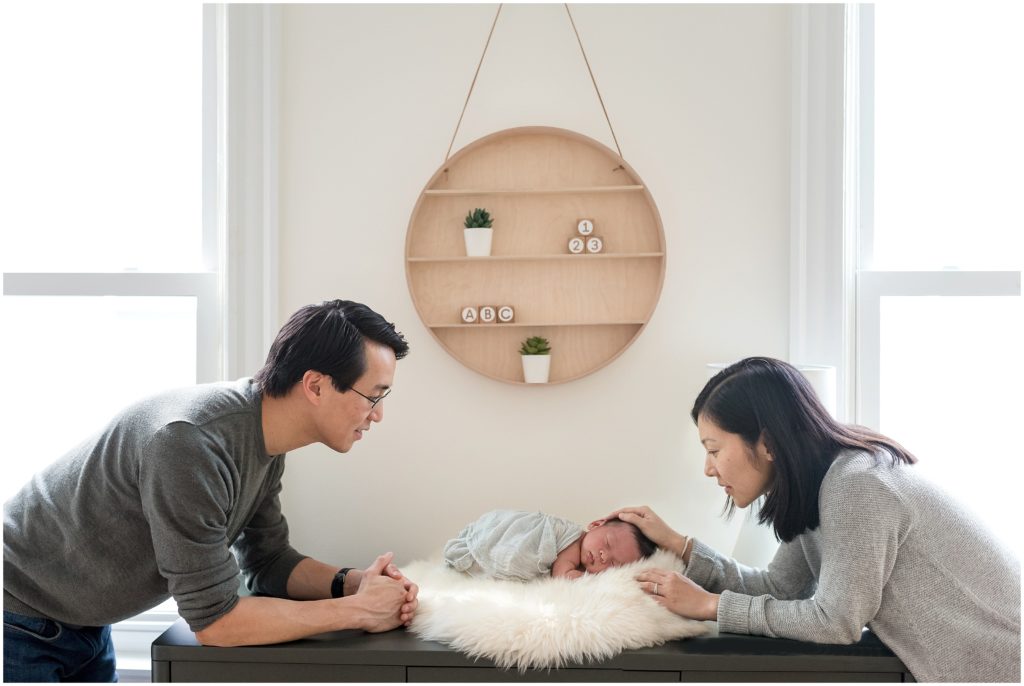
(536, 355)
(478, 233)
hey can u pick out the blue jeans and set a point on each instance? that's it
(37, 649)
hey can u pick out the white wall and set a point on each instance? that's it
(699, 97)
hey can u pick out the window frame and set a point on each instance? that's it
(241, 66)
(236, 292)
(821, 288)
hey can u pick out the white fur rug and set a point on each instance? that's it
(547, 622)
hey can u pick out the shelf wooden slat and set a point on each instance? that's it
(460, 325)
(522, 258)
(532, 191)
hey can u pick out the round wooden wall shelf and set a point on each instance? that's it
(537, 183)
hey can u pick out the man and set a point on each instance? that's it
(156, 504)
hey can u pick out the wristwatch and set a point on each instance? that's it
(338, 585)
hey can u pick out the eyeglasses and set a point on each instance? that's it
(373, 400)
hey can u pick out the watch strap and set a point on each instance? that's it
(338, 584)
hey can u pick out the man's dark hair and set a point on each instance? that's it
(647, 546)
(329, 338)
(763, 397)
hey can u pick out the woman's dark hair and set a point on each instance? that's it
(647, 546)
(329, 338)
(760, 396)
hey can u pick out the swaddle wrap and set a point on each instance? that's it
(511, 545)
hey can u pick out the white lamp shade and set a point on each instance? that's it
(821, 377)
(823, 381)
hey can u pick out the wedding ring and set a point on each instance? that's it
(655, 588)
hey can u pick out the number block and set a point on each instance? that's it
(576, 245)
(595, 244)
(585, 227)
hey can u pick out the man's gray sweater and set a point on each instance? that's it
(895, 554)
(150, 507)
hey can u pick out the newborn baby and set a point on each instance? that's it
(510, 544)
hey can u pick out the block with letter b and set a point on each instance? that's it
(488, 314)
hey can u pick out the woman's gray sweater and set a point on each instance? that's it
(893, 553)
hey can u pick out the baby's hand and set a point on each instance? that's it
(573, 574)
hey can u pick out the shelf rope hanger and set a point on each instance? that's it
(480, 63)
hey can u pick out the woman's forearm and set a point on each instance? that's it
(681, 546)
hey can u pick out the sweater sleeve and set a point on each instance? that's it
(788, 575)
(863, 523)
(186, 492)
(262, 549)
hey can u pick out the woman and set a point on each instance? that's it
(866, 541)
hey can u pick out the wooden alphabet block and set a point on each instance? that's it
(487, 314)
(506, 314)
(469, 315)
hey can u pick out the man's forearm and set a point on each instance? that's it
(257, 621)
(311, 580)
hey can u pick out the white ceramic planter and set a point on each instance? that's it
(536, 368)
(478, 242)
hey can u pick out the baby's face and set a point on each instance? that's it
(608, 545)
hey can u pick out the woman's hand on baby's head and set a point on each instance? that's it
(652, 526)
(641, 511)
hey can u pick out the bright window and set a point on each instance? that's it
(940, 241)
(103, 134)
(109, 241)
(948, 107)
(950, 372)
(108, 290)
